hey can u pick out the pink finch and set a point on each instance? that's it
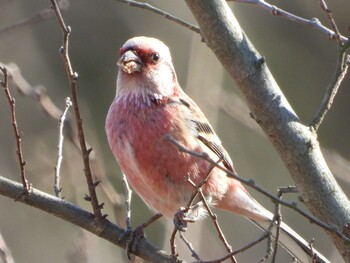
(150, 105)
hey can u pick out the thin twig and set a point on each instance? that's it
(190, 247)
(234, 106)
(158, 11)
(11, 101)
(278, 217)
(114, 197)
(81, 218)
(128, 194)
(251, 183)
(217, 226)
(331, 20)
(38, 93)
(198, 191)
(210, 212)
(57, 188)
(332, 89)
(72, 78)
(276, 11)
(174, 254)
(240, 250)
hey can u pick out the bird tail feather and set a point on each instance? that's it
(293, 243)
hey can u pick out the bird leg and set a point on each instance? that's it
(187, 215)
(133, 235)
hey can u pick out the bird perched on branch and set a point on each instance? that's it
(149, 107)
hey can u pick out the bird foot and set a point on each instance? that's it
(133, 236)
(184, 216)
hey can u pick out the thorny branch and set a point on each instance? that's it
(11, 101)
(251, 183)
(57, 187)
(72, 77)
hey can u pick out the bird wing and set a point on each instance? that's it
(204, 132)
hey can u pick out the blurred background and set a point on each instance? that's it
(301, 59)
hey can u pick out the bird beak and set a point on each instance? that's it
(130, 62)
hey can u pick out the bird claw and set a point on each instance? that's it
(184, 216)
(133, 236)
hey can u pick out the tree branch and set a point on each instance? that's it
(79, 217)
(332, 89)
(57, 188)
(72, 78)
(162, 13)
(46, 104)
(18, 136)
(313, 22)
(296, 144)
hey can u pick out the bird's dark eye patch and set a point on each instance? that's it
(155, 57)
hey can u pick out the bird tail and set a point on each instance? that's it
(294, 243)
(238, 200)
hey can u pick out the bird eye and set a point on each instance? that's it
(155, 57)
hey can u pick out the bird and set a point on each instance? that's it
(150, 106)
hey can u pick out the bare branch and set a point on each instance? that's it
(128, 194)
(332, 89)
(190, 247)
(210, 212)
(240, 250)
(295, 143)
(18, 137)
(331, 20)
(72, 77)
(217, 226)
(57, 187)
(252, 184)
(235, 107)
(313, 22)
(79, 217)
(158, 11)
(38, 93)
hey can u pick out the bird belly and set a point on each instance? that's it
(155, 168)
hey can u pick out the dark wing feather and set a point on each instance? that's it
(203, 133)
(217, 149)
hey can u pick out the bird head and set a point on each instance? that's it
(145, 67)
